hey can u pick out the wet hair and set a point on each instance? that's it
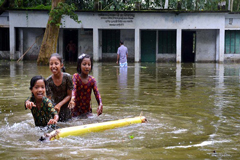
(79, 62)
(33, 82)
(35, 79)
(59, 57)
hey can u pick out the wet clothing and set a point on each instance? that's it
(44, 114)
(123, 64)
(58, 93)
(82, 93)
(122, 51)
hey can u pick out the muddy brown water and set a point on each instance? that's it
(192, 112)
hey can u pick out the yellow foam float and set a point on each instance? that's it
(95, 127)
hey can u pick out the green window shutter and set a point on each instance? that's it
(110, 41)
(160, 42)
(232, 42)
(227, 42)
(167, 42)
(237, 48)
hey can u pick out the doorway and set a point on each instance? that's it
(148, 46)
(70, 35)
(188, 46)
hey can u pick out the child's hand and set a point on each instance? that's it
(52, 121)
(57, 108)
(29, 104)
(100, 109)
(71, 104)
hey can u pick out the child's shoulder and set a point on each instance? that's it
(49, 78)
(65, 74)
(91, 78)
(76, 75)
(46, 100)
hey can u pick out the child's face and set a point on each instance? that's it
(86, 66)
(55, 65)
(38, 89)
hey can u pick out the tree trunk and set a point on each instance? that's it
(50, 39)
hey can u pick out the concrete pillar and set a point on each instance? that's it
(12, 38)
(79, 42)
(221, 45)
(137, 45)
(217, 46)
(61, 46)
(100, 45)
(178, 78)
(95, 44)
(21, 42)
(179, 46)
(136, 79)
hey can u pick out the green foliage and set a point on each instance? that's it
(61, 10)
(31, 4)
(130, 5)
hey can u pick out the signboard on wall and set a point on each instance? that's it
(117, 19)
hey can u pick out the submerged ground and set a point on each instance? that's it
(192, 111)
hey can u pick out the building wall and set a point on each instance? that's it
(4, 20)
(85, 44)
(205, 46)
(166, 57)
(232, 22)
(32, 37)
(127, 36)
(129, 23)
(4, 23)
(4, 55)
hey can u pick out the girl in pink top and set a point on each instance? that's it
(83, 85)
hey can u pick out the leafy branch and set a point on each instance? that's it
(63, 9)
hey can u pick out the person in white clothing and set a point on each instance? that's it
(122, 53)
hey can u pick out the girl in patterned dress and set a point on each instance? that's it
(83, 85)
(41, 107)
(59, 88)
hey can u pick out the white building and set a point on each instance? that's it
(150, 36)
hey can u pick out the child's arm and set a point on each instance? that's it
(54, 120)
(65, 100)
(29, 104)
(72, 101)
(98, 98)
(100, 109)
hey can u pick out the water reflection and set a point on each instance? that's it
(192, 109)
(122, 73)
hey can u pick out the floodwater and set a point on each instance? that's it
(192, 111)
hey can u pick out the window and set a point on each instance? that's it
(167, 42)
(110, 41)
(232, 42)
(4, 39)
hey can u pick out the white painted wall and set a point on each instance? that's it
(4, 19)
(127, 36)
(85, 44)
(205, 46)
(32, 37)
(129, 24)
(232, 21)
